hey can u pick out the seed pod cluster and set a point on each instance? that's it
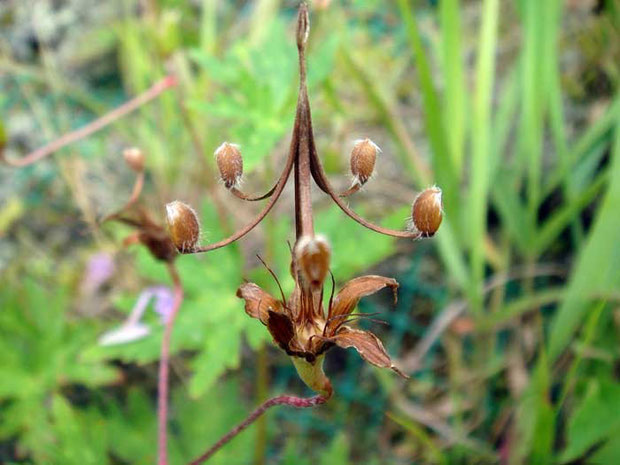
(230, 164)
(312, 255)
(183, 226)
(363, 157)
(134, 159)
(427, 211)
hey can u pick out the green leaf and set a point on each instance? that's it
(595, 421)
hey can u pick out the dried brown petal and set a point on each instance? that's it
(183, 225)
(363, 159)
(312, 255)
(427, 211)
(230, 163)
(348, 297)
(258, 302)
(368, 346)
(281, 328)
(134, 159)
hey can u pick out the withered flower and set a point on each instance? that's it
(148, 232)
(305, 330)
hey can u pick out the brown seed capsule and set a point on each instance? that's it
(427, 211)
(363, 158)
(230, 164)
(312, 254)
(134, 158)
(183, 225)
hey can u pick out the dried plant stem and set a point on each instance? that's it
(292, 401)
(154, 91)
(135, 194)
(162, 387)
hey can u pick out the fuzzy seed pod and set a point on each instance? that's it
(312, 254)
(230, 164)
(363, 157)
(134, 158)
(427, 211)
(183, 225)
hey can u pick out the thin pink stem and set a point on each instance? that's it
(292, 401)
(154, 91)
(162, 388)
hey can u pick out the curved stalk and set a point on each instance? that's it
(243, 196)
(242, 232)
(154, 91)
(135, 194)
(292, 401)
(162, 385)
(321, 180)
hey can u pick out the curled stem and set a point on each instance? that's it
(243, 196)
(246, 229)
(351, 190)
(154, 91)
(292, 401)
(162, 387)
(321, 180)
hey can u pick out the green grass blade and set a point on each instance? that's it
(481, 143)
(445, 172)
(598, 264)
(455, 93)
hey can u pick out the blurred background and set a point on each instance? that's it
(508, 320)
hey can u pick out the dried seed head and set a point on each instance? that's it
(134, 158)
(158, 243)
(230, 164)
(183, 225)
(363, 158)
(312, 254)
(427, 211)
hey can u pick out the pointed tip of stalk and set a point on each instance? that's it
(303, 26)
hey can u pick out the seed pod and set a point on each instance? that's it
(230, 164)
(427, 211)
(134, 158)
(183, 225)
(312, 254)
(363, 158)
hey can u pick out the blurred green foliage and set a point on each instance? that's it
(510, 106)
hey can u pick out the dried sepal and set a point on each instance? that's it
(347, 299)
(363, 157)
(183, 225)
(257, 301)
(281, 328)
(367, 345)
(312, 256)
(427, 211)
(230, 164)
(159, 244)
(134, 157)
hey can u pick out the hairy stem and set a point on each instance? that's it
(162, 387)
(154, 91)
(292, 401)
